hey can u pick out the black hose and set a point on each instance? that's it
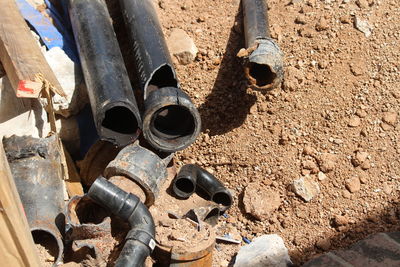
(264, 64)
(114, 106)
(194, 178)
(171, 122)
(140, 239)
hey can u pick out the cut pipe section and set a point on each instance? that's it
(142, 166)
(263, 57)
(111, 96)
(36, 167)
(193, 178)
(171, 122)
(140, 239)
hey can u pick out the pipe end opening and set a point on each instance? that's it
(185, 186)
(261, 75)
(89, 212)
(173, 126)
(120, 120)
(47, 246)
(222, 198)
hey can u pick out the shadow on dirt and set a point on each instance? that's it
(227, 106)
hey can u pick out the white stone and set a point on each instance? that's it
(363, 26)
(182, 46)
(264, 251)
(306, 188)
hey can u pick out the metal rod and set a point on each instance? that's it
(114, 107)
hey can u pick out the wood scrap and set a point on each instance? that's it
(21, 56)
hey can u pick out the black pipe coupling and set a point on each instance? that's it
(193, 178)
(140, 239)
(111, 96)
(171, 122)
(263, 57)
(142, 166)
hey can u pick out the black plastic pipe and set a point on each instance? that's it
(140, 239)
(35, 164)
(264, 59)
(193, 178)
(111, 96)
(171, 122)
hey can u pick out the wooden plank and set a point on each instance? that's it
(17, 247)
(21, 56)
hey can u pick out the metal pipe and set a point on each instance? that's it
(171, 122)
(263, 57)
(36, 167)
(140, 239)
(205, 183)
(111, 96)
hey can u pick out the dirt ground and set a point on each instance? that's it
(340, 96)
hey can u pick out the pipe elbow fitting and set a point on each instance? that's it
(140, 239)
(193, 178)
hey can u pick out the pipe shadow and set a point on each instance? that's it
(227, 106)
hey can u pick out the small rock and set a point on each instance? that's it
(323, 244)
(390, 118)
(387, 189)
(357, 68)
(353, 184)
(386, 127)
(359, 158)
(306, 188)
(182, 46)
(310, 165)
(345, 19)
(354, 121)
(363, 178)
(322, 25)
(242, 53)
(327, 162)
(361, 113)
(321, 176)
(363, 26)
(301, 19)
(362, 3)
(309, 151)
(259, 201)
(346, 194)
(266, 250)
(340, 220)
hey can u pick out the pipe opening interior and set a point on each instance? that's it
(185, 185)
(164, 77)
(121, 120)
(46, 244)
(89, 212)
(213, 213)
(172, 123)
(222, 198)
(262, 74)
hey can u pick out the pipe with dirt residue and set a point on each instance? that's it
(36, 167)
(171, 122)
(113, 103)
(263, 57)
(140, 239)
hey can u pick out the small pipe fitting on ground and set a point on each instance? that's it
(140, 239)
(171, 122)
(263, 58)
(193, 178)
(35, 164)
(111, 96)
(142, 166)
